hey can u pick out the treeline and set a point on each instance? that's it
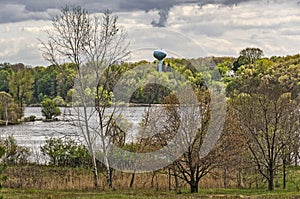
(30, 85)
(22, 86)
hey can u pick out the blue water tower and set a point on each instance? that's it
(159, 55)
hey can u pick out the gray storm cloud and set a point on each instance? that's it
(163, 16)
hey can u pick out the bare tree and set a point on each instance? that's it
(194, 164)
(188, 125)
(94, 44)
(232, 149)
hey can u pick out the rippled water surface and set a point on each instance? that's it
(33, 134)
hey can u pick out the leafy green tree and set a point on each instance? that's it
(247, 56)
(251, 54)
(20, 85)
(65, 79)
(45, 83)
(9, 110)
(5, 100)
(50, 109)
(4, 75)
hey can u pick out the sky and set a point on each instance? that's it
(184, 28)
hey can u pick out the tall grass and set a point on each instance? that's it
(60, 178)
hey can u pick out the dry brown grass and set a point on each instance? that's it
(45, 177)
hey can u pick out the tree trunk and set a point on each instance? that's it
(225, 177)
(194, 186)
(109, 172)
(239, 179)
(284, 173)
(6, 116)
(169, 179)
(296, 157)
(132, 180)
(271, 179)
(176, 182)
(152, 180)
(95, 172)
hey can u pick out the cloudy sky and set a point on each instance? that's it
(184, 28)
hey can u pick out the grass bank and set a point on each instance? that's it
(147, 194)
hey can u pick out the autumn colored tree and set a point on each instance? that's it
(266, 101)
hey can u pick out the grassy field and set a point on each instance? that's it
(146, 194)
(39, 182)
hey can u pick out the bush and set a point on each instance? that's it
(66, 152)
(50, 109)
(15, 154)
(3, 177)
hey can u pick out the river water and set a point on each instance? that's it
(34, 134)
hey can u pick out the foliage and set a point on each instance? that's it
(247, 56)
(50, 109)
(3, 177)
(66, 152)
(4, 75)
(265, 98)
(20, 85)
(15, 154)
(9, 110)
(59, 101)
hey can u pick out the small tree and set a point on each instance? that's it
(50, 109)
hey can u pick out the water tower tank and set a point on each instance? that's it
(159, 55)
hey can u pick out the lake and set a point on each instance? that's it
(34, 134)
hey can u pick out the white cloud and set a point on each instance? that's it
(191, 31)
(225, 30)
(19, 42)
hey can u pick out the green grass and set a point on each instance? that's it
(147, 194)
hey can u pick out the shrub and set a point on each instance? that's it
(15, 154)
(3, 177)
(66, 152)
(50, 109)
